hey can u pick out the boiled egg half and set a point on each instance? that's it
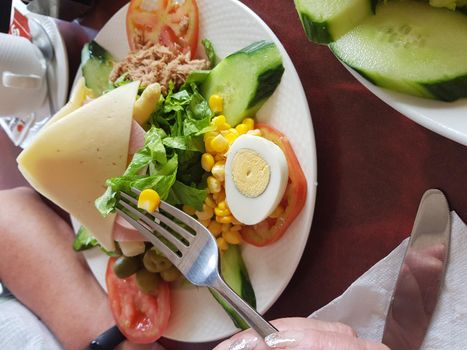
(256, 175)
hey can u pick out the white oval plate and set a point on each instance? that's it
(448, 119)
(230, 25)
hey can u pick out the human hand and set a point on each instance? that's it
(301, 334)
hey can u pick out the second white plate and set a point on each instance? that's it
(448, 119)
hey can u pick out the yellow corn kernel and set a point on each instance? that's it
(205, 223)
(236, 227)
(225, 126)
(214, 186)
(222, 205)
(205, 214)
(219, 120)
(215, 228)
(225, 227)
(216, 103)
(224, 219)
(277, 212)
(218, 170)
(219, 144)
(250, 122)
(149, 200)
(207, 161)
(220, 123)
(188, 209)
(219, 157)
(222, 212)
(210, 202)
(232, 237)
(207, 145)
(255, 132)
(242, 128)
(231, 136)
(210, 134)
(222, 244)
(219, 197)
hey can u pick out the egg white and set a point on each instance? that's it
(250, 210)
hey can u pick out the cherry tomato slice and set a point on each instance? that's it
(270, 230)
(141, 317)
(168, 22)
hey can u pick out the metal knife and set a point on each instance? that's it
(421, 275)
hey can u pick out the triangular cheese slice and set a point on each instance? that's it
(70, 160)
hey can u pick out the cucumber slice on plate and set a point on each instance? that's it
(97, 64)
(325, 21)
(235, 274)
(412, 48)
(245, 80)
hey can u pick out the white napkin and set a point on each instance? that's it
(364, 304)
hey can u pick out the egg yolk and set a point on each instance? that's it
(250, 173)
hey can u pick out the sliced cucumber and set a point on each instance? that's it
(97, 63)
(235, 274)
(326, 21)
(245, 80)
(412, 48)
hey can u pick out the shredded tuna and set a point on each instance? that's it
(158, 64)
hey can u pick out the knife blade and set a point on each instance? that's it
(421, 275)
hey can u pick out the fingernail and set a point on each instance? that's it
(244, 344)
(285, 339)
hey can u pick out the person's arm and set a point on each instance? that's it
(39, 267)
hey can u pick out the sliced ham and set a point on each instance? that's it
(136, 138)
(124, 232)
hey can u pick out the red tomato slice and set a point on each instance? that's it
(167, 22)
(270, 230)
(141, 317)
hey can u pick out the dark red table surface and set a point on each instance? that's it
(373, 166)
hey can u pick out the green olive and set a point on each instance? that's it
(154, 262)
(147, 281)
(125, 266)
(171, 274)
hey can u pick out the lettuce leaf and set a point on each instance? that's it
(84, 240)
(169, 162)
(184, 194)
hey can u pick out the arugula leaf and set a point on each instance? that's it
(184, 194)
(210, 52)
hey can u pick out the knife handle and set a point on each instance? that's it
(107, 340)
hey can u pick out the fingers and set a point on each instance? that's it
(302, 333)
(300, 323)
(311, 339)
(304, 323)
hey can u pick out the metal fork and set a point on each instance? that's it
(191, 248)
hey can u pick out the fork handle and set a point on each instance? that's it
(250, 315)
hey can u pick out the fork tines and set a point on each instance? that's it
(160, 227)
